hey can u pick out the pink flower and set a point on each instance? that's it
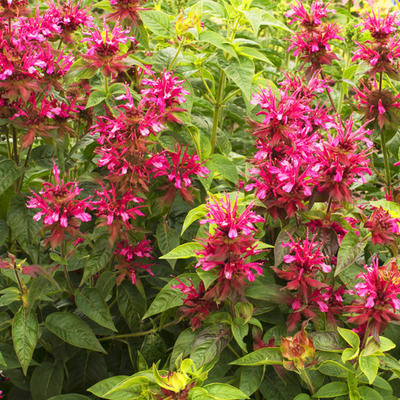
(60, 208)
(378, 302)
(381, 28)
(117, 210)
(383, 227)
(126, 9)
(298, 13)
(178, 167)
(131, 259)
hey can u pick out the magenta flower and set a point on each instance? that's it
(60, 209)
(384, 228)
(228, 248)
(381, 28)
(195, 306)
(377, 301)
(130, 259)
(179, 167)
(308, 20)
(165, 94)
(126, 9)
(117, 210)
(104, 48)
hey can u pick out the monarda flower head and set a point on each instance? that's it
(104, 48)
(311, 19)
(126, 10)
(384, 228)
(62, 212)
(228, 247)
(381, 28)
(377, 303)
(379, 105)
(195, 306)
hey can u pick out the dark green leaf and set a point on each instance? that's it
(71, 329)
(167, 239)
(131, 304)
(368, 393)
(92, 304)
(182, 346)
(349, 250)
(250, 379)
(332, 389)
(70, 396)
(9, 173)
(46, 381)
(95, 98)
(25, 330)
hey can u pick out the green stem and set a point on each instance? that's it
(106, 85)
(171, 66)
(66, 274)
(307, 380)
(15, 145)
(21, 180)
(217, 110)
(143, 333)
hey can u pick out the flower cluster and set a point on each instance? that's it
(229, 247)
(384, 229)
(313, 40)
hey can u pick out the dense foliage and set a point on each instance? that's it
(199, 200)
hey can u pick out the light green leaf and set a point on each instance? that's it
(92, 304)
(224, 391)
(71, 329)
(185, 250)
(241, 73)
(369, 365)
(350, 354)
(264, 356)
(168, 297)
(25, 330)
(350, 337)
(104, 5)
(218, 41)
(240, 331)
(193, 215)
(225, 167)
(158, 22)
(368, 393)
(269, 20)
(332, 389)
(102, 387)
(251, 52)
(95, 98)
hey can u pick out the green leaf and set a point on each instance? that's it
(240, 331)
(158, 22)
(9, 173)
(70, 396)
(131, 304)
(350, 354)
(269, 20)
(168, 297)
(47, 381)
(185, 250)
(225, 167)
(167, 239)
(334, 368)
(92, 304)
(71, 329)
(332, 389)
(2, 360)
(25, 330)
(3, 231)
(350, 337)
(104, 5)
(250, 379)
(326, 341)
(208, 277)
(255, 18)
(302, 396)
(218, 41)
(198, 393)
(224, 391)
(386, 344)
(350, 249)
(104, 386)
(182, 346)
(368, 393)
(99, 257)
(241, 73)
(264, 356)
(251, 52)
(209, 344)
(369, 365)
(193, 215)
(95, 98)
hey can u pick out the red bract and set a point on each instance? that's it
(116, 210)
(179, 167)
(378, 302)
(131, 259)
(104, 48)
(126, 9)
(195, 306)
(383, 227)
(61, 210)
(308, 20)
(165, 94)
(341, 162)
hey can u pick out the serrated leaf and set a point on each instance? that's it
(185, 250)
(218, 41)
(92, 304)
(95, 98)
(193, 215)
(168, 297)
(224, 391)
(158, 22)
(350, 249)
(332, 389)
(9, 173)
(72, 330)
(264, 356)
(241, 73)
(225, 167)
(369, 365)
(25, 329)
